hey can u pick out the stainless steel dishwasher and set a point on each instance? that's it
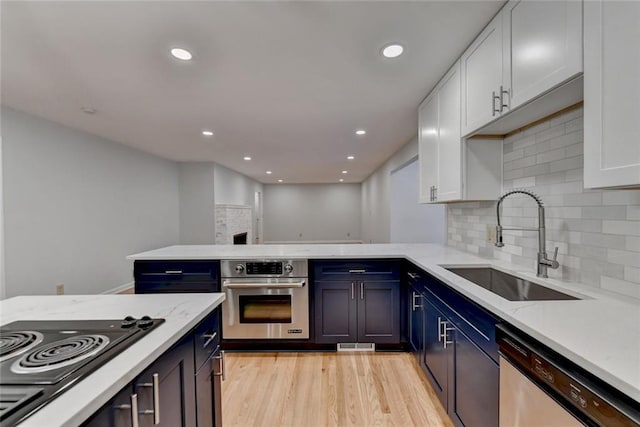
(540, 388)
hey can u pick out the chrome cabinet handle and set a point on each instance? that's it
(209, 338)
(413, 303)
(173, 272)
(353, 291)
(155, 390)
(413, 275)
(445, 335)
(502, 104)
(221, 359)
(435, 193)
(134, 409)
(359, 271)
(495, 97)
(440, 323)
(361, 290)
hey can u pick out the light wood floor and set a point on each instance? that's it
(327, 389)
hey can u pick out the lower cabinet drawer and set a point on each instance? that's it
(159, 287)
(207, 338)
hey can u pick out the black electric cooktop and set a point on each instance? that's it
(39, 359)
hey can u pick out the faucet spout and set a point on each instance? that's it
(543, 261)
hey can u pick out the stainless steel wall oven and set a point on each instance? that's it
(265, 299)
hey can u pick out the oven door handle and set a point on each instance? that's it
(240, 285)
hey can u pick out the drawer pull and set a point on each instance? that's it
(221, 359)
(359, 271)
(155, 390)
(209, 338)
(134, 409)
(173, 271)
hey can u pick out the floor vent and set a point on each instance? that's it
(356, 346)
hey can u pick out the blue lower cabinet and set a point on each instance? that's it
(336, 312)
(476, 382)
(437, 354)
(464, 377)
(173, 391)
(357, 311)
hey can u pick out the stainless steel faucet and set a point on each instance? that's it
(543, 261)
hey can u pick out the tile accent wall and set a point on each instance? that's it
(597, 231)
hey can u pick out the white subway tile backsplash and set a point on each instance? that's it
(621, 227)
(633, 243)
(621, 197)
(604, 212)
(598, 232)
(550, 156)
(627, 258)
(620, 286)
(524, 182)
(633, 213)
(549, 133)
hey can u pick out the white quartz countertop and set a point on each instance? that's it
(600, 332)
(182, 312)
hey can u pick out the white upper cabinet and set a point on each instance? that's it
(527, 50)
(542, 46)
(611, 94)
(428, 147)
(452, 169)
(481, 71)
(449, 185)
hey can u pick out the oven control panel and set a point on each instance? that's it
(264, 268)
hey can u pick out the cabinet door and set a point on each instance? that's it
(542, 46)
(336, 316)
(175, 388)
(428, 147)
(416, 323)
(436, 356)
(476, 376)
(116, 413)
(481, 68)
(208, 391)
(611, 94)
(449, 185)
(378, 311)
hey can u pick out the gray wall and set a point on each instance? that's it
(233, 188)
(413, 222)
(197, 205)
(76, 205)
(376, 201)
(203, 185)
(597, 232)
(2, 268)
(311, 212)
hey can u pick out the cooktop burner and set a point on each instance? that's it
(59, 354)
(15, 343)
(40, 359)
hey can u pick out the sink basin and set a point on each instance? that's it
(507, 286)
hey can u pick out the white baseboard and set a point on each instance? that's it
(120, 288)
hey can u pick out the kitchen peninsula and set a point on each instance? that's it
(580, 330)
(181, 313)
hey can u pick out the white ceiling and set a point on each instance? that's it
(286, 83)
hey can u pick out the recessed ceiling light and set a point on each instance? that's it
(89, 110)
(207, 133)
(268, 172)
(181, 54)
(361, 132)
(341, 180)
(350, 157)
(344, 172)
(247, 158)
(392, 50)
(279, 180)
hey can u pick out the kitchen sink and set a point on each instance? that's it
(507, 286)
